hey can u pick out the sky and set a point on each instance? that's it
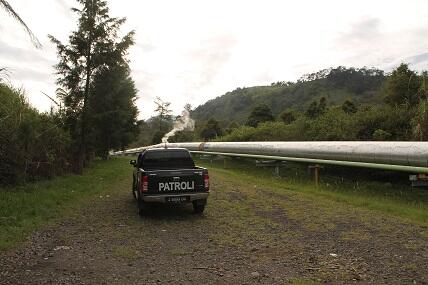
(191, 51)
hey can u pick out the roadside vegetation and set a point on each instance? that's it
(33, 145)
(28, 207)
(93, 110)
(386, 192)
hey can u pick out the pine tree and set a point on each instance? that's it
(92, 47)
(164, 113)
(113, 111)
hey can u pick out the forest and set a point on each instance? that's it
(332, 104)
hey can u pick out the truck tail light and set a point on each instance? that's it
(207, 181)
(144, 183)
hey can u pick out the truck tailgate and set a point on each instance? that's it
(175, 181)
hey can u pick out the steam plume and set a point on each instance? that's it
(184, 122)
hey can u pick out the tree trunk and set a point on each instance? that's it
(82, 145)
(106, 148)
(104, 155)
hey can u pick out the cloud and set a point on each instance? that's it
(145, 47)
(23, 73)
(361, 33)
(64, 6)
(12, 53)
(145, 83)
(208, 58)
(370, 42)
(417, 59)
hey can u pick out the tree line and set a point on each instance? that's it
(396, 111)
(360, 85)
(95, 109)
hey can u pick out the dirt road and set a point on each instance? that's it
(249, 234)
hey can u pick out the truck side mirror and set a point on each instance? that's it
(133, 162)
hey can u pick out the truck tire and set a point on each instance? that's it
(198, 208)
(134, 189)
(142, 208)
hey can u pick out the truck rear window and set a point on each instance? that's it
(167, 159)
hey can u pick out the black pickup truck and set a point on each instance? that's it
(169, 175)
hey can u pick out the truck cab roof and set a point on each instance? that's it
(167, 149)
(165, 158)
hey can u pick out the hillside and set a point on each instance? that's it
(337, 85)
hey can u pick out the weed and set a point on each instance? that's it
(25, 208)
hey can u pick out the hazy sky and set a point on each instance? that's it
(193, 51)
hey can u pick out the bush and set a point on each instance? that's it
(335, 124)
(268, 131)
(385, 123)
(32, 145)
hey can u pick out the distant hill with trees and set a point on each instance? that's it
(332, 104)
(367, 105)
(337, 85)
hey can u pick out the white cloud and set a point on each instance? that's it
(192, 50)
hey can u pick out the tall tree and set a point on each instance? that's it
(92, 47)
(211, 130)
(403, 86)
(164, 112)
(261, 113)
(113, 111)
(8, 8)
(348, 107)
(312, 111)
(288, 116)
(420, 122)
(322, 106)
(188, 107)
(317, 109)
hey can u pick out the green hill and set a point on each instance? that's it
(336, 84)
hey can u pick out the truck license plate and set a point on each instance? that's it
(177, 199)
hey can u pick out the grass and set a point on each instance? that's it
(28, 207)
(356, 188)
(126, 252)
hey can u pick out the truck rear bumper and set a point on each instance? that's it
(162, 198)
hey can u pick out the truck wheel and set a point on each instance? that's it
(134, 193)
(134, 190)
(198, 209)
(142, 208)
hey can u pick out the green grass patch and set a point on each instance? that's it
(397, 199)
(126, 252)
(26, 208)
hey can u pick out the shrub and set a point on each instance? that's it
(32, 144)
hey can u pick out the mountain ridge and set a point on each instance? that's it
(361, 86)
